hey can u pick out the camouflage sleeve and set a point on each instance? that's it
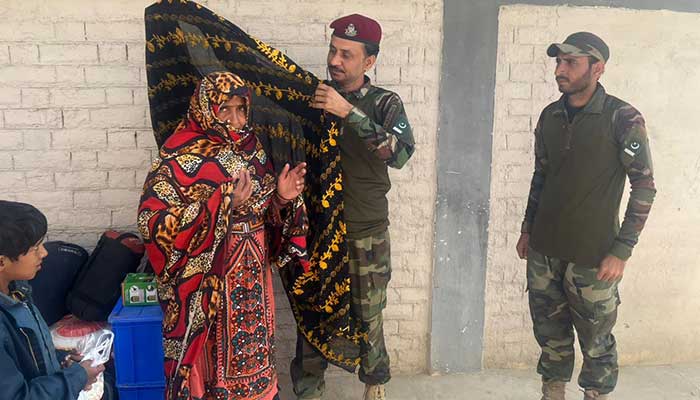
(392, 140)
(537, 180)
(635, 156)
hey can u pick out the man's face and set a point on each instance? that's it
(26, 265)
(347, 60)
(575, 74)
(235, 111)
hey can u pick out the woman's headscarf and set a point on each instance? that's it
(214, 90)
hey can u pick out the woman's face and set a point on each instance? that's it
(235, 112)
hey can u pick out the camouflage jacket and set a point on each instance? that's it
(375, 135)
(580, 170)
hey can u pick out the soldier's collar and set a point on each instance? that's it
(359, 93)
(594, 105)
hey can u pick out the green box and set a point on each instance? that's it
(139, 290)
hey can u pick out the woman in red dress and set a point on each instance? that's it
(214, 216)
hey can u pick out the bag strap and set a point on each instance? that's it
(126, 235)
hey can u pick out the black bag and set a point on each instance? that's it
(98, 285)
(54, 280)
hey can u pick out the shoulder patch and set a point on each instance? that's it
(400, 125)
(632, 148)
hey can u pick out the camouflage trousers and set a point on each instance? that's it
(564, 296)
(370, 272)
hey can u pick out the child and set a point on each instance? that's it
(29, 367)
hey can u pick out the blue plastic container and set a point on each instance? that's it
(141, 392)
(138, 347)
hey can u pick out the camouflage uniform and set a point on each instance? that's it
(562, 296)
(572, 218)
(375, 135)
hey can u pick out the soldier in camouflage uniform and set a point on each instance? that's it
(586, 144)
(375, 135)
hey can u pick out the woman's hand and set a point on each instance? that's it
(290, 183)
(243, 187)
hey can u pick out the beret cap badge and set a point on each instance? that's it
(350, 30)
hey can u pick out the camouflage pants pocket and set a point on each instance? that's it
(590, 298)
(593, 305)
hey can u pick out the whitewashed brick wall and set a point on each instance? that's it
(75, 136)
(652, 68)
(72, 97)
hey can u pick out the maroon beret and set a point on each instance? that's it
(358, 28)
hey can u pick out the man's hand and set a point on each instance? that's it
(521, 247)
(92, 373)
(328, 99)
(611, 269)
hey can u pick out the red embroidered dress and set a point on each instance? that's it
(212, 260)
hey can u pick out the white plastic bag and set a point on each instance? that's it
(96, 346)
(91, 339)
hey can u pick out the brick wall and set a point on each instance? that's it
(75, 138)
(652, 68)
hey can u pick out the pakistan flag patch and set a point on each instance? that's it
(632, 148)
(400, 125)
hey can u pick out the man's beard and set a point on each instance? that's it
(579, 85)
(330, 74)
